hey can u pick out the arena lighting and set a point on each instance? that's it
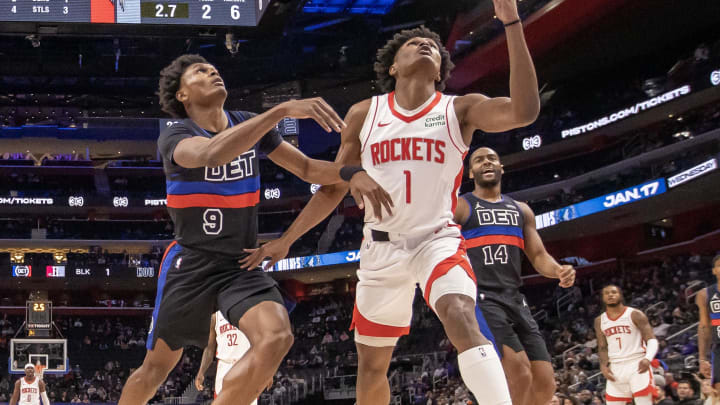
(532, 142)
(715, 77)
(272, 193)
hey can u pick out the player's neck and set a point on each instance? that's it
(411, 93)
(210, 118)
(489, 194)
(29, 381)
(614, 312)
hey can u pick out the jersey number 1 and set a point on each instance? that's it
(408, 180)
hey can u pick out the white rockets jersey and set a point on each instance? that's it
(231, 342)
(29, 392)
(623, 337)
(417, 157)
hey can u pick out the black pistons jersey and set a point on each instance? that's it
(713, 304)
(214, 209)
(495, 241)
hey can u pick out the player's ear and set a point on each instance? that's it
(502, 169)
(181, 96)
(470, 174)
(392, 71)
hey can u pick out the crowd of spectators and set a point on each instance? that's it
(103, 351)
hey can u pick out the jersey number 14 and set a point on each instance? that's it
(495, 254)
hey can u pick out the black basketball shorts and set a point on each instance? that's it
(193, 285)
(511, 323)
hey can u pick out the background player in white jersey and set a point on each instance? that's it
(29, 389)
(228, 344)
(626, 346)
(412, 141)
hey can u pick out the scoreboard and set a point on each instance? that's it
(38, 315)
(182, 12)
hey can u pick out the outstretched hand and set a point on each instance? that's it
(316, 109)
(362, 185)
(276, 250)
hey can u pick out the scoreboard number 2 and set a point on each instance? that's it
(206, 12)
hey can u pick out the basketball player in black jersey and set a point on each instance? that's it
(210, 157)
(497, 229)
(708, 303)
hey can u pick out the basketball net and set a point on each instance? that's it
(39, 368)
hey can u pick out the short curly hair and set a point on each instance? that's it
(170, 83)
(386, 57)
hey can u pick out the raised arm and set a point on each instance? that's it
(651, 344)
(704, 338)
(602, 347)
(16, 393)
(198, 151)
(207, 356)
(538, 256)
(327, 198)
(476, 111)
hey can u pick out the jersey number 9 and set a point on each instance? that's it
(212, 221)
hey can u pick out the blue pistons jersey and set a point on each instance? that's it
(214, 209)
(495, 241)
(713, 307)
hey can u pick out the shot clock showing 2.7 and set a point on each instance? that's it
(178, 12)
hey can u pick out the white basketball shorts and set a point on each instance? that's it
(389, 271)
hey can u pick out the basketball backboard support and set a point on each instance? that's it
(49, 356)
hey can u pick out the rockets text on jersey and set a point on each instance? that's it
(417, 157)
(30, 392)
(623, 337)
(231, 342)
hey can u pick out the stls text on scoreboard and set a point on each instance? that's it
(182, 12)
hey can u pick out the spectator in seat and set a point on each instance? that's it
(686, 394)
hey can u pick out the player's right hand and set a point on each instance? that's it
(362, 185)
(199, 382)
(607, 373)
(316, 109)
(276, 250)
(705, 368)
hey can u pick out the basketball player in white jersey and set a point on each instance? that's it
(228, 344)
(29, 389)
(412, 141)
(626, 346)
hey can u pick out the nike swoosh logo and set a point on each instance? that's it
(381, 124)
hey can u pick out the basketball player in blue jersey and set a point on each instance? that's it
(497, 229)
(414, 131)
(210, 158)
(708, 303)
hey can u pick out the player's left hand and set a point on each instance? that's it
(643, 366)
(362, 185)
(506, 10)
(566, 274)
(705, 368)
(199, 382)
(276, 250)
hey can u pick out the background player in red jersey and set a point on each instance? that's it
(412, 141)
(29, 389)
(498, 230)
(626, 346)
